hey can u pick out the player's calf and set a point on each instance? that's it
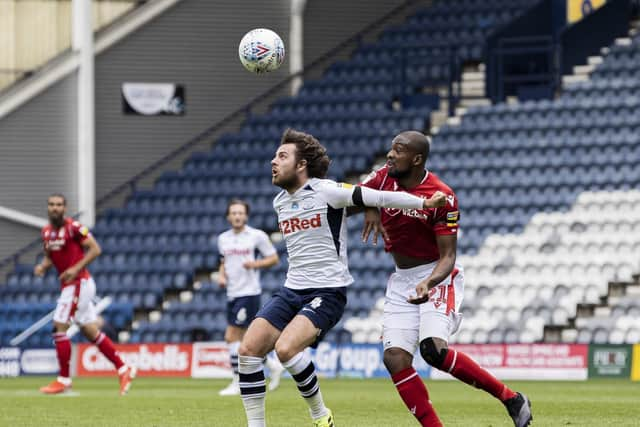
(436, 353)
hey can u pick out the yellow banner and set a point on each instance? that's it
(635, 363)
(578, 9)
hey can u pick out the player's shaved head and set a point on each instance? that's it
(415, 141)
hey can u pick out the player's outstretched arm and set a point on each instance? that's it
(345, 195)
(363, 196)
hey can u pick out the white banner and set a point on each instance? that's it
(210, 360)
(152, 99)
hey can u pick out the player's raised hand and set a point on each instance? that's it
(437, 200)
(422, 294)
(39, 270)
(372, 223)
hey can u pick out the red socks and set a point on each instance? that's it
(468, 371)
(415, 396)
(106, 347)
(63, 350)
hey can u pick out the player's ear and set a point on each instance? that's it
(418, 160)
(301, 164)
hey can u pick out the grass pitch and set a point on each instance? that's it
(189, 402)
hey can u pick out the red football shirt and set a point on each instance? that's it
(64, 247)
(412, 232)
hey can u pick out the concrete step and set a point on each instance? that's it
(623, 41)
(472, 85)
(472, 76)
(570, 79)
(475, 102)
(602, 312)
(454, 121)
(583, 69)
(569, 335)
(594, 60)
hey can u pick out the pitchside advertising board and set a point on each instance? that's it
(15, 362)
(528, 361)
(611, 361)
(211, 360)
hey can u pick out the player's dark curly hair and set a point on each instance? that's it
(308, 148)
(236, 201)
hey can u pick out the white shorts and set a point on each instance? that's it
(404, 324)
(77, 307)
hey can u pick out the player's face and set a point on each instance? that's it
(400, 160)
(237, 216)
(283, 167)
(56, 210)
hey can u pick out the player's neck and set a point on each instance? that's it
(238, 230)
(57, 225)
(413, 180)
(298, 185)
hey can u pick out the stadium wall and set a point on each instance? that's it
(37, 145)
(193, 44)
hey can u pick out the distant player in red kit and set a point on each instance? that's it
(70, 247)
(424, 294)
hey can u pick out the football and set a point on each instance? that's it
(261, 51)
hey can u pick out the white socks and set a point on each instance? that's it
(252, 389)
(303, 372)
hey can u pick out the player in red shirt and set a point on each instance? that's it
(425, 293)
(70, 247)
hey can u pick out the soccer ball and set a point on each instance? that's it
(261, 50)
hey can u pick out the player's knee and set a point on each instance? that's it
(396, 360)
(433, 353)
(285, 351)
(247, 349)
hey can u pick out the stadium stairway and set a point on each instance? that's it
(549, 196)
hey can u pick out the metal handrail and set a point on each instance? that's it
(131, 183)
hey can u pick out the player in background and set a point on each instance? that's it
(70, 248)
(312, 218)
(425, 293)
(239, 273)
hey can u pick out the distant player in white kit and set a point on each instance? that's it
(239, 273)
(312, 217)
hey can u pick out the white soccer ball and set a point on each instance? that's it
(261, 50)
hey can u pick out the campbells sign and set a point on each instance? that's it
(152, 360)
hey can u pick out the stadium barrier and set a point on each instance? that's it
(211, 360)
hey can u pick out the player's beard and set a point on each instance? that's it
(56, 220)
(285, 182)
(398, 173)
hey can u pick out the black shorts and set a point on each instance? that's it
(323, 306)
(242, 310)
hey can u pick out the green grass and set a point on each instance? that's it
(189, 402)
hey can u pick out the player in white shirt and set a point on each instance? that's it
(312, 218)
(239, 273)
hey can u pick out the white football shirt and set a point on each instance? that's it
(315, 233)
(238, 248)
